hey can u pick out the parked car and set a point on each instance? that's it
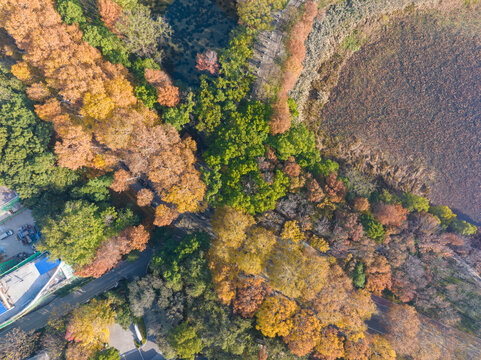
(6, 234)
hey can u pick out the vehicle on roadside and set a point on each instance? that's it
(6, 234)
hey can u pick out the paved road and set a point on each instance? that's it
(59, 305)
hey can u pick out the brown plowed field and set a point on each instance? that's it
(414, 91)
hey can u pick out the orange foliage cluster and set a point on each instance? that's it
(111, 251)
(93, 108)
(378, 276)
(250, 295)
(361, 204)
(144, 197)
(164, 215)
(281, 117)
(168, 94)
(110, 12)
(390, 214)
(335, 188)
(291, 168)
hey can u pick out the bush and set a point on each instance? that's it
(107, 354)
(147, 94)
(353, 42)
(293, 107)
(415, 202)
(325, 167)
(463, 228)
(444, 213)
(373, 228)
(361, 184)
(133, 255)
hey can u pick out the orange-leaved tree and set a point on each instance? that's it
(403, 327)
(305, 333)
(250, 295)
(91, 103)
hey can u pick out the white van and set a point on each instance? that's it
(6, 234)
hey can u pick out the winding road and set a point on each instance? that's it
(39, 317)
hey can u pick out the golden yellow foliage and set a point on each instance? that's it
(331, 345)
(164, 215)
(97, 106)
(275, 316)
(248, 262)
(89, 324)
(380, 348)
(291, 231)
(230, 226)
(22, 71)
(305, 333)
(188, 194)
(319, 243)
(121, 92)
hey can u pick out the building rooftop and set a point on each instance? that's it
(20, 287)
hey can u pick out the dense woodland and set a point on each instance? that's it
(110, 153)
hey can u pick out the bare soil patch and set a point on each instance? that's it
(414, 92)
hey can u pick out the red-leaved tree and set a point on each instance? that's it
(208, 62)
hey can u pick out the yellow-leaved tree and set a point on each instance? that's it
(275, 316)
(89, 324)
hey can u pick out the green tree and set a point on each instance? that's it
(185, 341)
(26, 163)
(373, 228)
(75, 234)
(299, 142)
(71, 11)
(231, 159)
(180, 115)
(219, 331)
(94, 190)
(258, 14)
(182, 264)
(208, 109)
(358, 276)
(111, 46)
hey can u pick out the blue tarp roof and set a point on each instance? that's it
(45, 265)
(2, 308)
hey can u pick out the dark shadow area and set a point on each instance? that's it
(197, 26)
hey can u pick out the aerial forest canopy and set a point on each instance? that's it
(298, 248)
